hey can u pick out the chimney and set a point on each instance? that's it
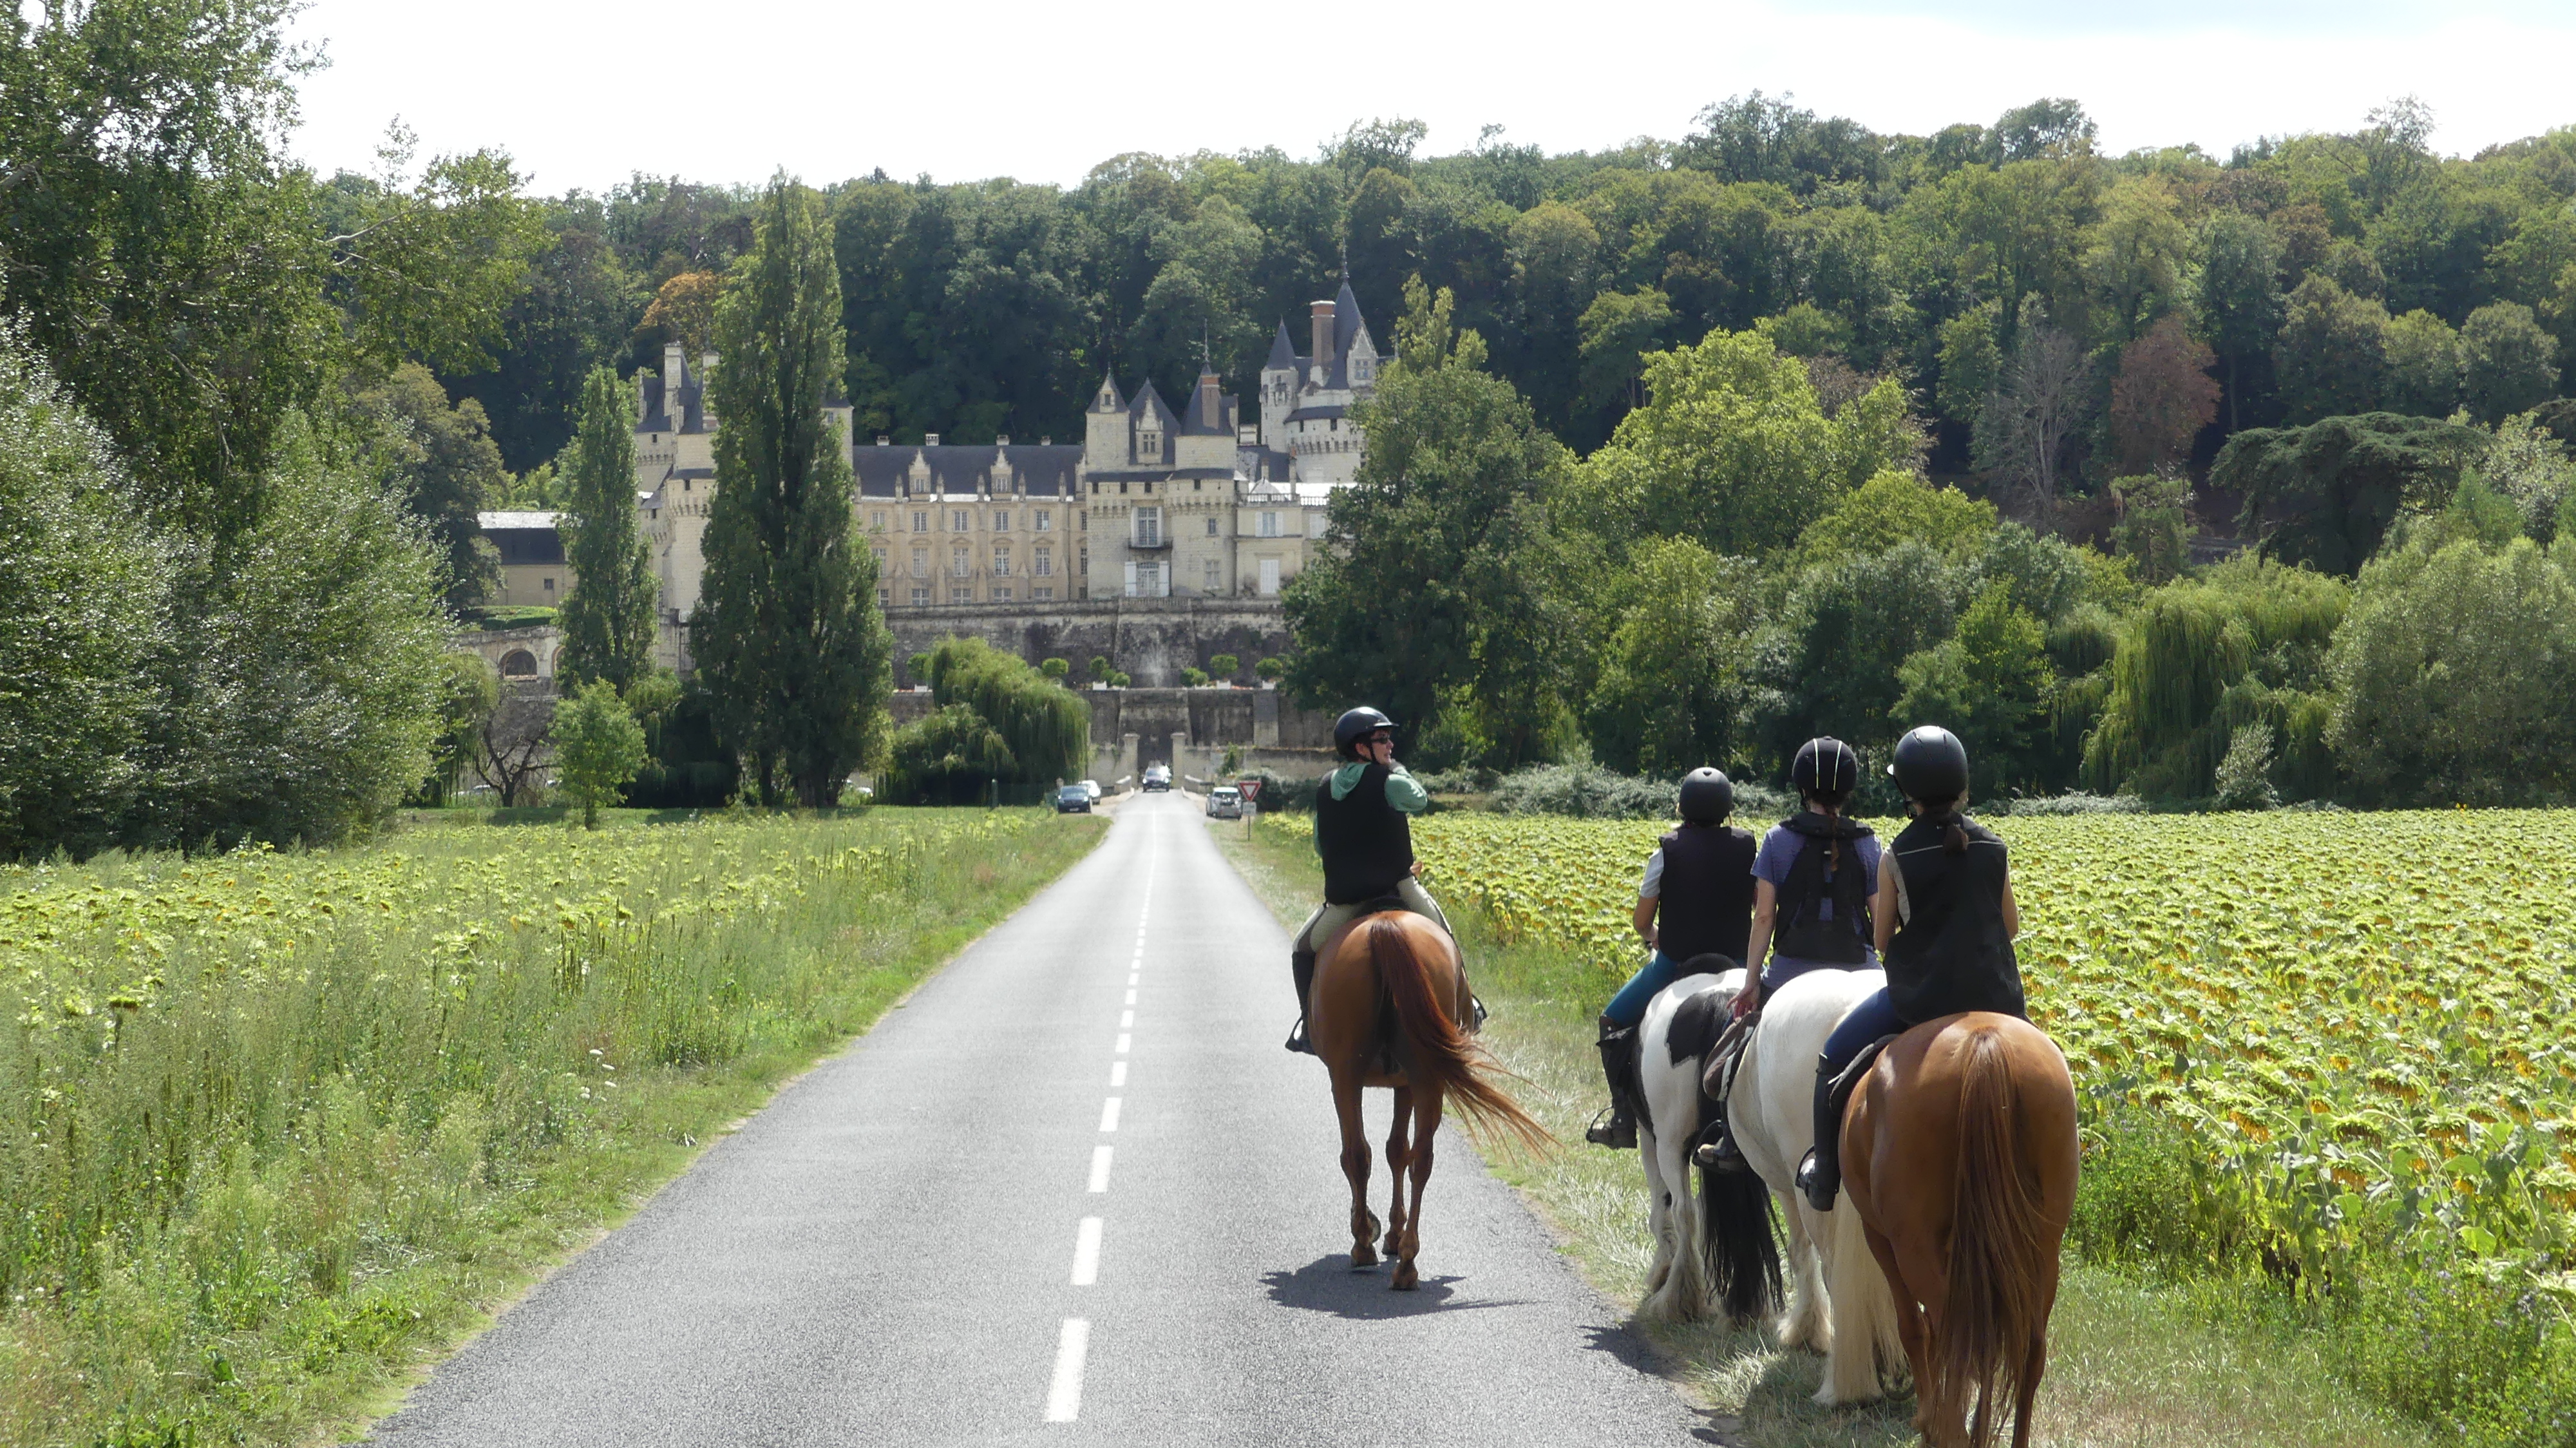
(882, 439)
(1001, 439)
(1323, 313)
(1211, 412)
(930, 439)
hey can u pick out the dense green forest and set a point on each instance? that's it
(2325, 273)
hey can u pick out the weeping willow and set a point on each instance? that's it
(1046, 727)
(2203, 657)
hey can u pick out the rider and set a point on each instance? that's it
(1946, 922)
(1366, 842)
(1700, 880)
(1811, 899)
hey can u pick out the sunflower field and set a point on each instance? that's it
(2359, 1022)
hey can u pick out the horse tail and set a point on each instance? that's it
(1738, 1237)
(1996, 1308)
(1440, 1050)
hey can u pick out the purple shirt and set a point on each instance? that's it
(1780, 851)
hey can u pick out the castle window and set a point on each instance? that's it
(1042, 593)
(550, 585)
(921, 598)
(1001, 520)
(1044, 522)
(961, 595)
(1001, 562)
(876, 520)
(959, 564)
(920, 521)
(1211, 527)
(1212, 570)
(921, 563)
(1043, 563)
(1149, 528)
(1001, 594)
(957, 520)
(1269, 525)
(881, 562)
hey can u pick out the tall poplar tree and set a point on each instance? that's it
(787, 633)
(608, 620)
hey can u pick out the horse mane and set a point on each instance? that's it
(1995, 1310)
(1441, 1052)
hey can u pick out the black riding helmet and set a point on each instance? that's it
(1930, 763)
(1356, 725)
(1708, 796)
(1825, 765)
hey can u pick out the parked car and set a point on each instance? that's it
(1071, 799)
(1091, 787)
(1225, 802)
(1157, 776)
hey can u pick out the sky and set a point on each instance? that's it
(584, 95)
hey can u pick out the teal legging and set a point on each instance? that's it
(1628, 1007)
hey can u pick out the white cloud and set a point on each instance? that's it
(583, 95)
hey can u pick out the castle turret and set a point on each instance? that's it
(1104, 426)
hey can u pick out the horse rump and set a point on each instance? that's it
(1440, 1051)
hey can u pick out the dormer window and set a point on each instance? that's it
(1149, 444)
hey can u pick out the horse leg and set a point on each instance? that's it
(1355, 1163)
(1426, 1122)
(1659, 1212)
(1805, 1323)
(1395, 1162)
(1911, 1329)
(2032, 1369)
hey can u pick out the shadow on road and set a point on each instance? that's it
(1328, 1284)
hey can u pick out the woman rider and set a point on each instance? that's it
(1946, 922)
(1812, 887)
(1700, 880)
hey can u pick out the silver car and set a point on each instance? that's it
(1225, 802)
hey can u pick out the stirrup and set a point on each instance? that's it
(1720, 1154)
(1607, 1130)
(1297, 1039)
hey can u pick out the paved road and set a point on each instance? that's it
(1072, 1193)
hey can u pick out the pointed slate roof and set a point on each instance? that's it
(1346, 322)
(1197, 420)
(1108, 400)
(1150, 407)
(1283, 353)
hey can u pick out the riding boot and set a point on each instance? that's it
(1301, 964)
(1619, 1064)
(1820, 1176)
(1717, 1150)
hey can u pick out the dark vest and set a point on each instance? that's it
(1953, 953)
(1708, 893)
(1367, 844)
(1805, 932)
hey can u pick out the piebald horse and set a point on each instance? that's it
(1960, 1156)
(1388, 995)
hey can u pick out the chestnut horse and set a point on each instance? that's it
(1959, 1152)
(1389, 993)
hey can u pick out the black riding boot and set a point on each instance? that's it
(1619, 1065)
(1820, 1176)
(1717, 1150)
(1302, 965)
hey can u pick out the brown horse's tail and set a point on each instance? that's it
(1440, 1050)
(1997, 1303)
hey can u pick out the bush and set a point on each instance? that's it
(1225, 666)
(2073, 802)
(497, 619)
(1046, 732)
(1588, 791)
(1195, 678)
(949, 757)
(1269, 670)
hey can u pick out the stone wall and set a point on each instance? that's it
(1189, 729)
(1149, 639)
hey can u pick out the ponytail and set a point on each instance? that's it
(1943, 814)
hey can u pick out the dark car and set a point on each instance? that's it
(1158, 776)
(1071, 798)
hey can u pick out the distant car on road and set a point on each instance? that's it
(1091, 787)
(1072, 799)
(1225, 802)
(1157, 776)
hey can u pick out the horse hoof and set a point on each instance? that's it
(1406, 1279)
(1390, 1245)
(1363, 1255)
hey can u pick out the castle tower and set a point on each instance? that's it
(1104, 426)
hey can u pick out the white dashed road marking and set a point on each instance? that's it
(1109, 1114)
(1086, 1253)
(1064, 1395)
(1099, 1169)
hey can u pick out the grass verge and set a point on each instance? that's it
(282, 1129)
(2129, 1365)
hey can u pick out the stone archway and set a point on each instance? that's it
(518, 664)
